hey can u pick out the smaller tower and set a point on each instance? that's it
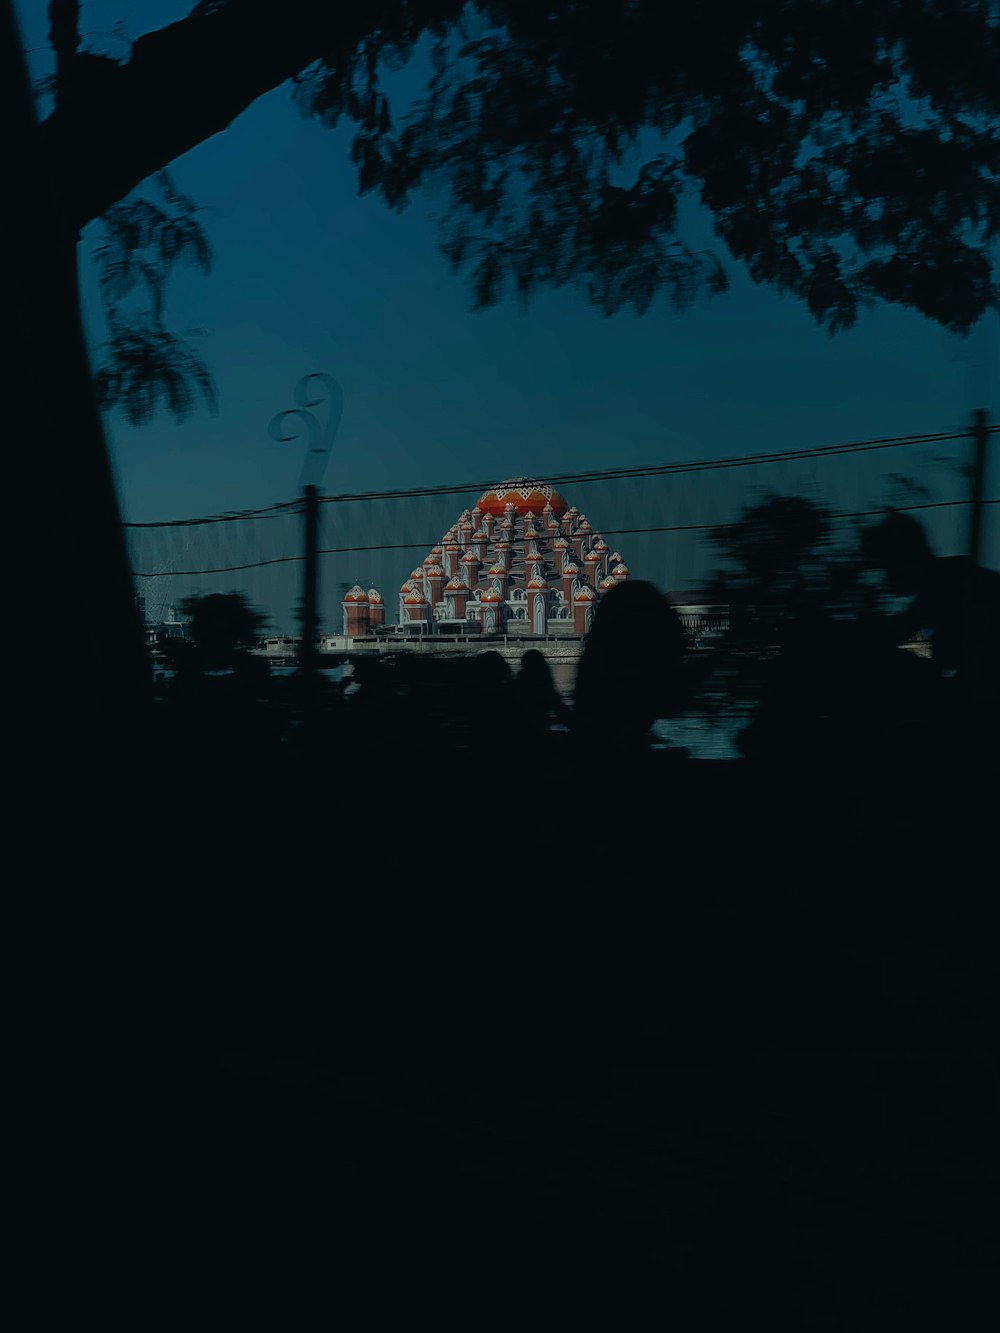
(356, 612)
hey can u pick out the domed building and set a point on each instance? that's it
(521, 562)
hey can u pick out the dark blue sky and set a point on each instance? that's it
(309, 276)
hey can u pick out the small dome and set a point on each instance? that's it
(584, 594)
(620, 571)
(454, 584)
(491, 596)
(375, 597)
(600, 544)
(415, 598)
(470, 558)
(537, 580)
(608, 581)
(571, 567)
(591, 558)
(356, 594)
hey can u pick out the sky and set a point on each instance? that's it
(308, 276)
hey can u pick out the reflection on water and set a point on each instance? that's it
(704, 739)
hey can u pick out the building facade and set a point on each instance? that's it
(522, 562)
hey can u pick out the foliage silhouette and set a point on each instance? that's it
(847, 154)
(955, 603)
(222, 627)
(141, 245)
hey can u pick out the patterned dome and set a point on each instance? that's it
(523, 495)
(374, 596)
(356, 594)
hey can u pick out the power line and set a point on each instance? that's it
(278, 510)
(580, 478)
(656, 470)
(611, 532)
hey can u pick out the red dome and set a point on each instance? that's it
(525, 497)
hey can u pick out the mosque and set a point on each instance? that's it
(521, 563)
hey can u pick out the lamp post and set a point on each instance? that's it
(320, 440)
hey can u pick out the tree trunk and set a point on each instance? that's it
(88, 661)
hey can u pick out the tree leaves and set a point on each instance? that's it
(145, 364)
(843, 162)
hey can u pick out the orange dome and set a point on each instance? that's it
(357, 594)
(374, 596)
(525, 496)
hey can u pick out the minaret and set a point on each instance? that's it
(457, 595)
(435, 583)
(584, 599)
(356, 620)
(538, 603)
(592, 564)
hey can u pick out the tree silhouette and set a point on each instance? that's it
(222, 626)
(847, 153)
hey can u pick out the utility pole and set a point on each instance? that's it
(978, 485)
(310, 392)
(310, 581)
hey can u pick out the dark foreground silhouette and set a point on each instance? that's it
(475, 1003)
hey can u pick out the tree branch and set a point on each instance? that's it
(182, 85)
